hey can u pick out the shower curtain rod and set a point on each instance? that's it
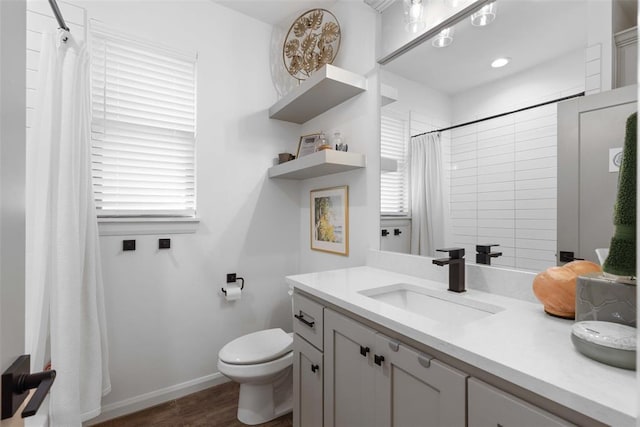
(58, 14)
(564, 98)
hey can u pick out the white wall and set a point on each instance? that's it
(12, 179)
(166, 317)
(358, 121)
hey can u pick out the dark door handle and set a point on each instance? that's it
(364, 351)
(378, 359)
(385, 232)
(314, 368)
(44, 381)
(17, 381)
(397, 232)
(301, 318)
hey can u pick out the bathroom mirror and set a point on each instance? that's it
(493, 181)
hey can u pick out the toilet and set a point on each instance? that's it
(262, 362)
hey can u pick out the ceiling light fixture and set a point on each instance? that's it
(485, 15)
(413, 15)
(444, 38)
(500, 62)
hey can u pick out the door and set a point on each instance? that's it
(349, 373)
(308, 370)
(414, 389)
(588, 128)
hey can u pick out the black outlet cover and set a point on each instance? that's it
(128, 245)
(164, 243)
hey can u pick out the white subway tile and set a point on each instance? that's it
(532, 184)
(496, 186)
(593, 52)
(536, 164)
(488, 232)
(496, 214)
(592, 67)
(534, 264)
(534, 233)
(536, 204)
(536, 123)
(464, 222)
(471, 197)
(549, 245)
(496, 177)
(495, 204)
(540, 224)
(538, 153)
(459, 173)
(537, 214)
(496, 160)
(496, 223)
(542, 255)
(464, 180)
(541, 132)
(493, 169)
(496, 195)
(547, 172)
(593, 82)
(540, 193)
(464, 189)
(532, 144)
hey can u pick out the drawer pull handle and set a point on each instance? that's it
(425, 361)
(314, 368)
(301, 318)
(364, 351)
(378, 359)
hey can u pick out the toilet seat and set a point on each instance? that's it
(256, 348)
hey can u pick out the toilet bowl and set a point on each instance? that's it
(262, 363)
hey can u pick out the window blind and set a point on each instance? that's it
(143, 127)
(394, 186)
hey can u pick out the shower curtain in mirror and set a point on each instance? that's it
(427, 202)
(65, 304)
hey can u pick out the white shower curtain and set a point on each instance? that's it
(427, 202)
(65, 302)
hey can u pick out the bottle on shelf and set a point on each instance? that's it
(338, 142)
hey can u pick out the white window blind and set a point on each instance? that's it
(394, 186)
(143, 127)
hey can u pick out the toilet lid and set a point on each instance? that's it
(257, 347)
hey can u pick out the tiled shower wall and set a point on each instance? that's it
(503, 187)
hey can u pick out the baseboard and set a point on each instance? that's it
(156, 397)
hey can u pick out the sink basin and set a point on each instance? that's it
(440, 306)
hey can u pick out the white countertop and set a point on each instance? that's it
(520, 344)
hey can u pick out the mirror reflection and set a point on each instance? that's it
(460, 168)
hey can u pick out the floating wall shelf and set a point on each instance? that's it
(324, 162)
(326, 88)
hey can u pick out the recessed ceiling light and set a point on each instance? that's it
(500, 62)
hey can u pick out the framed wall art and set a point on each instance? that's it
(307, 144)
(330, 220)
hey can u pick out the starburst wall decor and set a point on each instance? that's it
(312, 41)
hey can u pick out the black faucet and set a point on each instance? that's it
(456, 267)
(484, 254)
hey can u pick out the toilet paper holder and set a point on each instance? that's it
(224, 291)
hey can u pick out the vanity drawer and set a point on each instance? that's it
(308, 320)
(490, 407)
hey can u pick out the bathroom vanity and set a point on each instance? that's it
(377, 348)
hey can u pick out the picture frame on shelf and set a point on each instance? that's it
(307, 144)
(330, 220)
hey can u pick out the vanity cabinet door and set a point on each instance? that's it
(308, 370)
(414, 389)
(349, 373)
(491, 407)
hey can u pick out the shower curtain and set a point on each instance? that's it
(427, 202)
(65, 304)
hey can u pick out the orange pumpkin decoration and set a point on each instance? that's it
(556, 287)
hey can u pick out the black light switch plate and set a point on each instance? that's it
(164, 243)
(128, 245)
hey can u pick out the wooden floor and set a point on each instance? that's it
(216, 406)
